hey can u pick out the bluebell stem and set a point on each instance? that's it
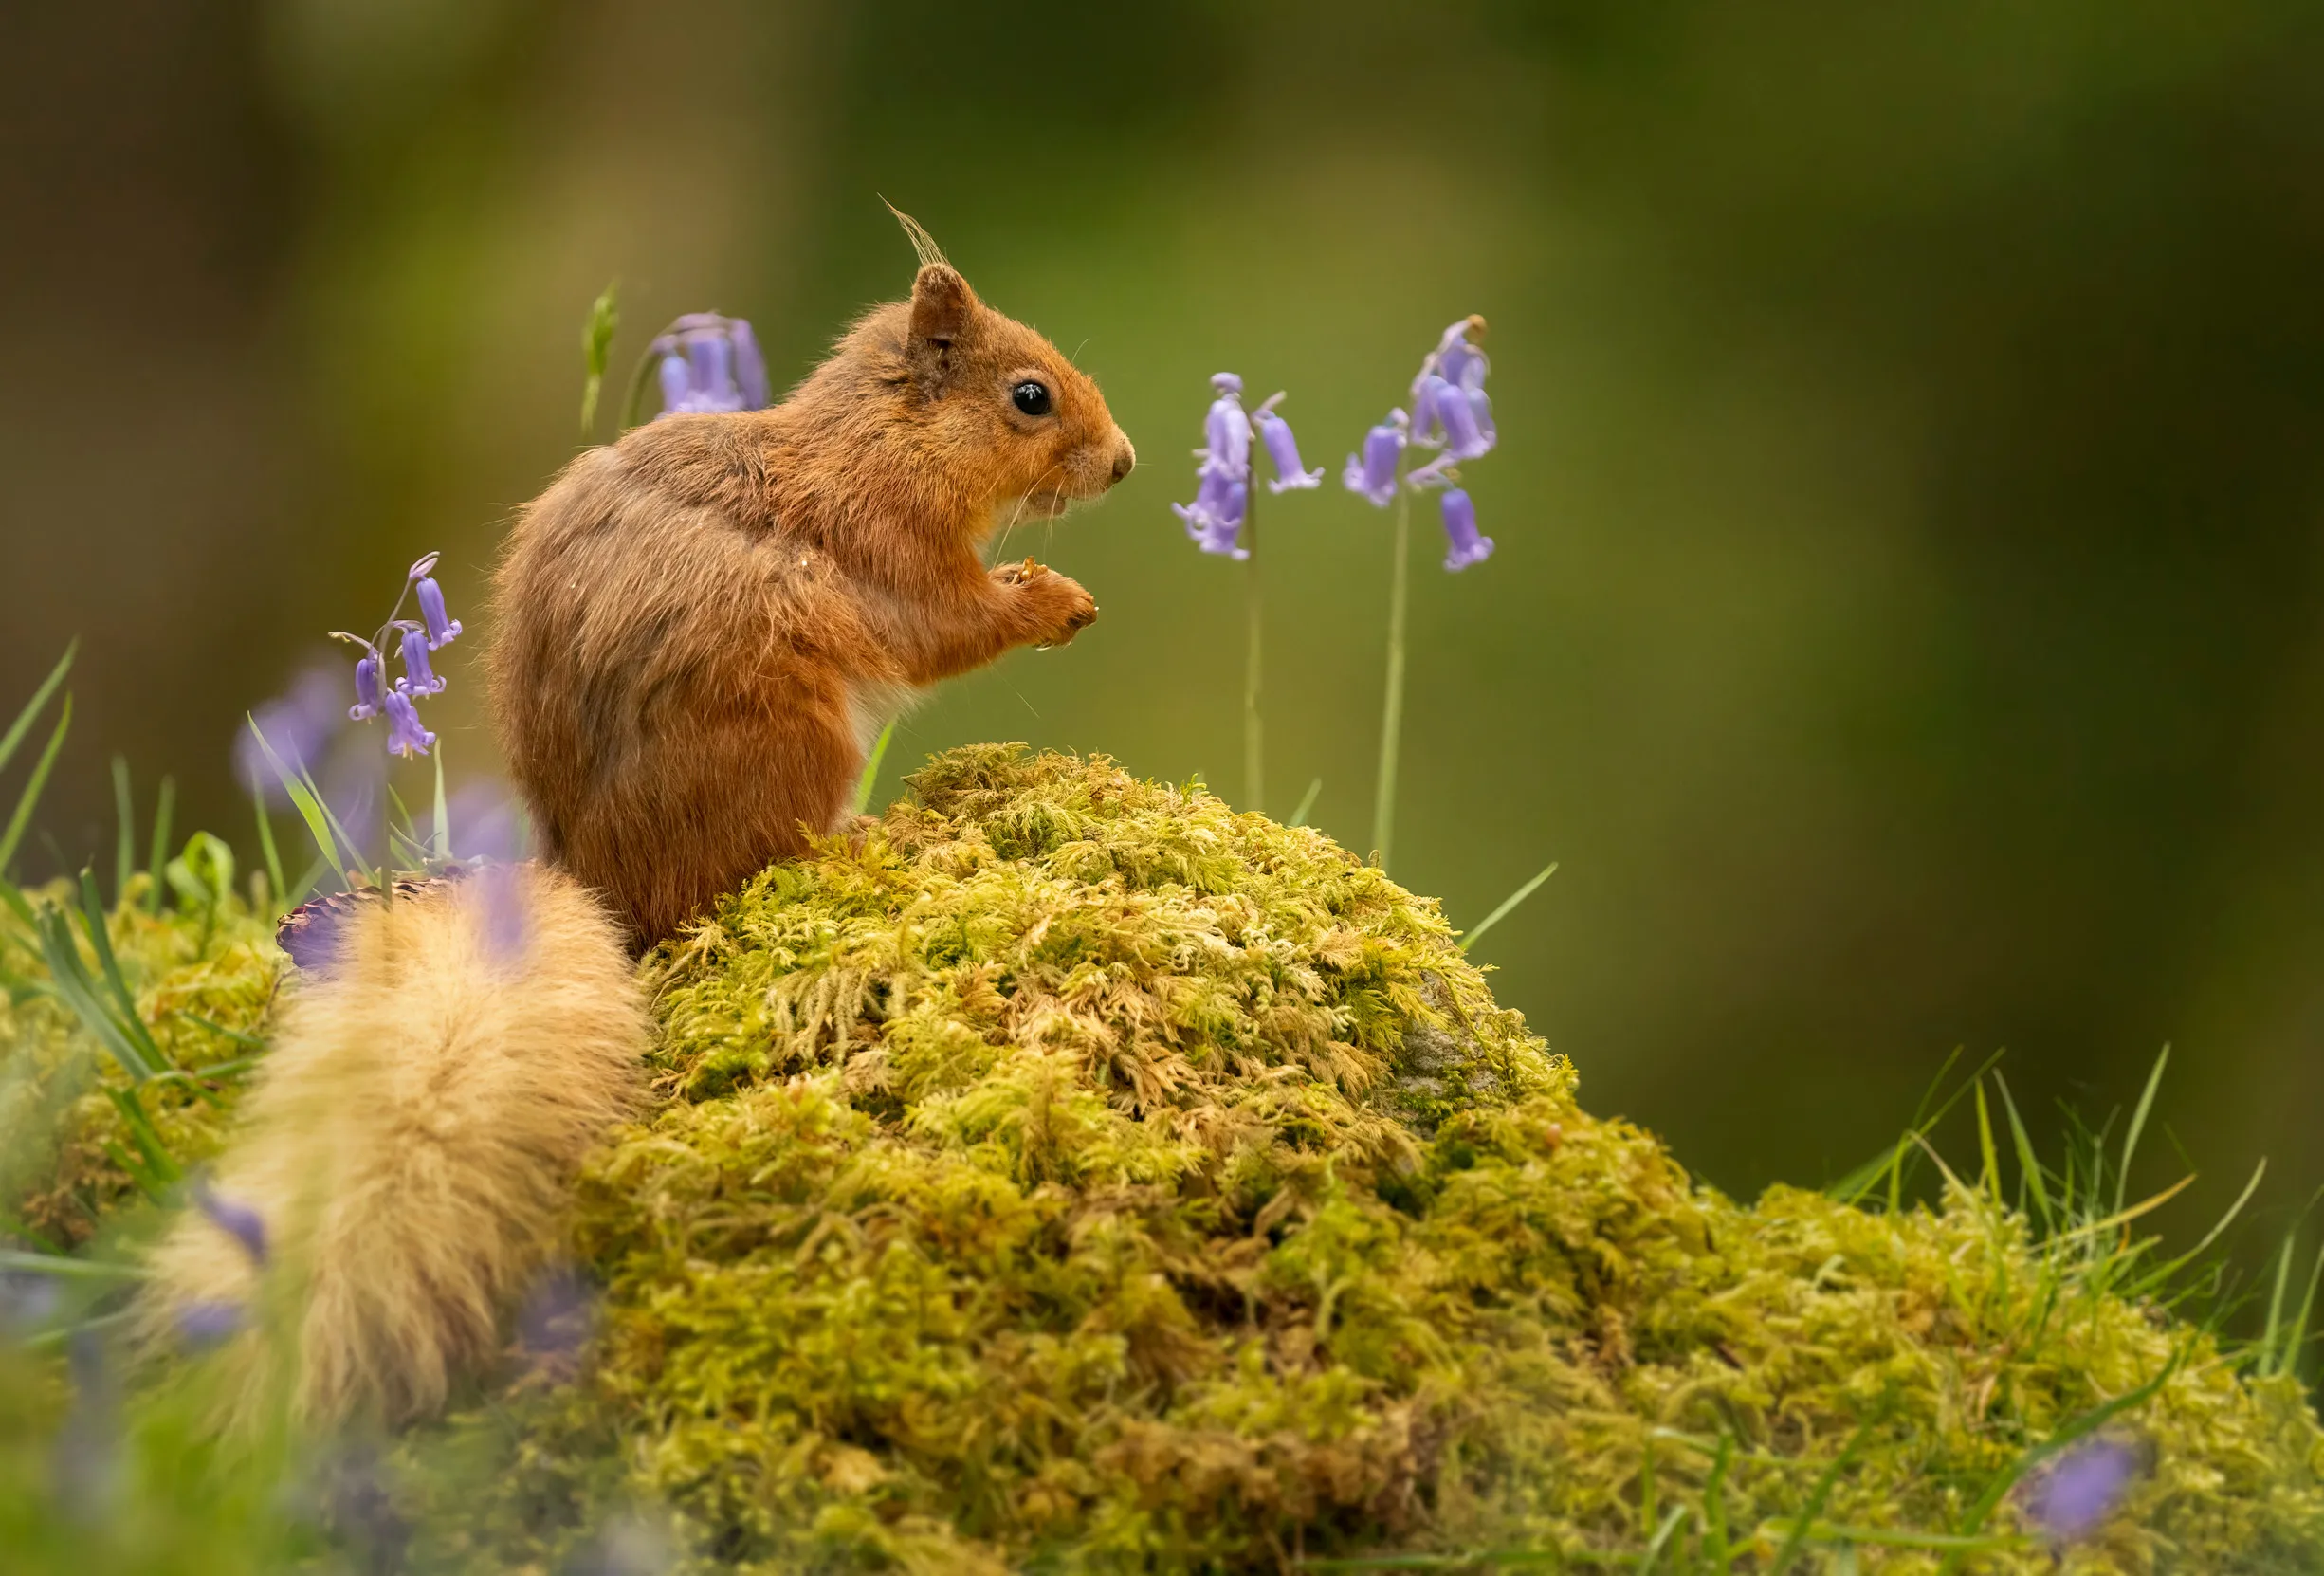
(1373, 476)
(1463, 546)
(1283, 450)
(405, 735)
(238, 1220)
(367, 688)
(710, 363)
(1451, 412)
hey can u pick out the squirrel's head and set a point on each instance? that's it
(998, 405)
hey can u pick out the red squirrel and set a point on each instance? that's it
(702, 628)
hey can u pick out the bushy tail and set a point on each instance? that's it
(409, 1151)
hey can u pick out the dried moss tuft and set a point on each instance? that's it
(1070, 1173)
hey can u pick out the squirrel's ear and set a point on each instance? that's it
(942, 307)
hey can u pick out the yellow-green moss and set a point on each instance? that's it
(1066, 1173)
(203, 982)
(1071, 1173)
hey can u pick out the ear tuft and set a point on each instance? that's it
(942, 309)
(924, 245)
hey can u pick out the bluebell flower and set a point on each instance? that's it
(367, 687)
(419, 678)
(1283, 450)
(210, 1323)
(1454, 415)
(1449, 403)
(1463, 546)
(1227, 430)
(1216, 517)
(299, 724)
(405, 735)
(710, 364)
(238, 1220)
(2072, 1498)
(441, 630)
(1373, 477)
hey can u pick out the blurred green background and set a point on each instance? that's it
(1904, 628)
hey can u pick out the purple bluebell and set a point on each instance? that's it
(1283, 450)
(504, 913)
(1216, 517)
(405, 735)
(1227, 430)
(710, 364)
(554, 1320)
(1373, 477)
(1463, 546)
(418, 677)
(2075, 1495)
(1449, 403)
(367, 687)
(210, 1323)
(238, 1220)
(441, 631)
(299, 724)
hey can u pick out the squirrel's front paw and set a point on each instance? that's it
(1061, 609)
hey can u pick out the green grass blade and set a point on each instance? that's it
(1508, 903)
(2155, 1278)
(34, 706)
(1652, 1559)
(2029, 1167)
(165, 807)
(1987, 1155)
(33, 784)
(2138, 1126)
(158, 1165)
(100, 943)
(125, 829)
(864, 784)
(1796, 1537)
(319, 822)
(69, 978)
(64, 1268)
(1306, 802)
(2297, 1340)
(265, 847)
(2274, 1309)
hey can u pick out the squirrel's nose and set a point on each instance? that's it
(1124, 457)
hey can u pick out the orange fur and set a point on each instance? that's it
(410, 1147)
(701, 627)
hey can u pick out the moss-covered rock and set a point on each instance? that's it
(1070, 1173)
(1067, 1173)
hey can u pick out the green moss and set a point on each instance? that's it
(1070, 1173)
(1066, 1173)
(203, 979)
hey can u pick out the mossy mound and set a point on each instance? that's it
(1071, 1173)
(203, 979)
(1067, 1173)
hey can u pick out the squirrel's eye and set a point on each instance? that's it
(1031, 397)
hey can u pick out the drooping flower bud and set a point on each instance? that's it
(405, 735)
(367, 688)
(441, 630)
(1216, 517)
(419, 678)
(1463, 546)
(1373, 477)
(1283, 450)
